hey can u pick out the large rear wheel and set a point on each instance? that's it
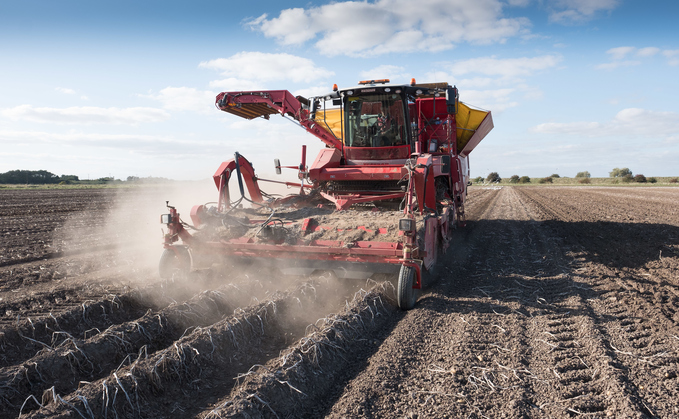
(405, 294)
(173, 261)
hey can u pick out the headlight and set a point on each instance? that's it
(166, 219)
(406, 224)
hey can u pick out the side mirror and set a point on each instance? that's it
(277, 164)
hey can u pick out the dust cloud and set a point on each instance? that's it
(119, 238)
(120, 229)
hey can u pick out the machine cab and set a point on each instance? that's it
(376, 124)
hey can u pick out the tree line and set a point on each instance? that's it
(43, 177)
(34, 177)
(624, 174)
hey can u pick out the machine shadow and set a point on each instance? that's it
(611, 244)
(617, 245)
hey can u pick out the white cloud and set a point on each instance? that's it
(257, 68)
(620, 52)
(518, 3)
(672, 56)
(648, 51)
(502, 67)
(65, 90)
(615, 64)
(232, 84)
(578, 11)
(132, 143)
(628, 123)
(392, 72)
(85, 115)
(185, 99)
(312, 91)
(497, 101)
(489, 76)
(68, 91)
(383, 26)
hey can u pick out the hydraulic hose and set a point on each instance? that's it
(238, 174)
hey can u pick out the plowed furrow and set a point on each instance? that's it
(206, 359)
(296, 383)
(75, 360)
(29, 336)
(84, 315)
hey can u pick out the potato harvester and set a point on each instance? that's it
(383, 196)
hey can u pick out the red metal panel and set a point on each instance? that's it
(328, 157)
(222, 175)
(377, 153)
(360, 173)
(343, 202)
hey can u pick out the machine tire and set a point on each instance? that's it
(173, 261)
(405, 294)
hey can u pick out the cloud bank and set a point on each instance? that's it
(371, 28)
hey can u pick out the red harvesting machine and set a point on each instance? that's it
(383, 196)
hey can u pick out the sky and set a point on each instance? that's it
(127, 88)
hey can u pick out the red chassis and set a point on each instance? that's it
(396, 144)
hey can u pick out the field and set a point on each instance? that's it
(555, 302)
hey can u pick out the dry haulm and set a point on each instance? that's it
(553, 302)
(68, 360)
(213, 352)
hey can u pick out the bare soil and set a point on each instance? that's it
(552, 302)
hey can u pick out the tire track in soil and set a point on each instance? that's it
(509, 343)
(636, 315)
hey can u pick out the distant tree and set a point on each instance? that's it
(493, 177)
(652, 180)
(585, 180)
(30, 177)
(524, 179)
(583, 174)
(555, 175)
(132, 178)
(674, 180)
(514, 179)
(546, 180)
(620, 172)
(640, 178)
(478, 179)
(628, 178)
(69, 178)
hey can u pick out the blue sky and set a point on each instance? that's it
(127, 88)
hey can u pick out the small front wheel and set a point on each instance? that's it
(405, 294)
(174, 260)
